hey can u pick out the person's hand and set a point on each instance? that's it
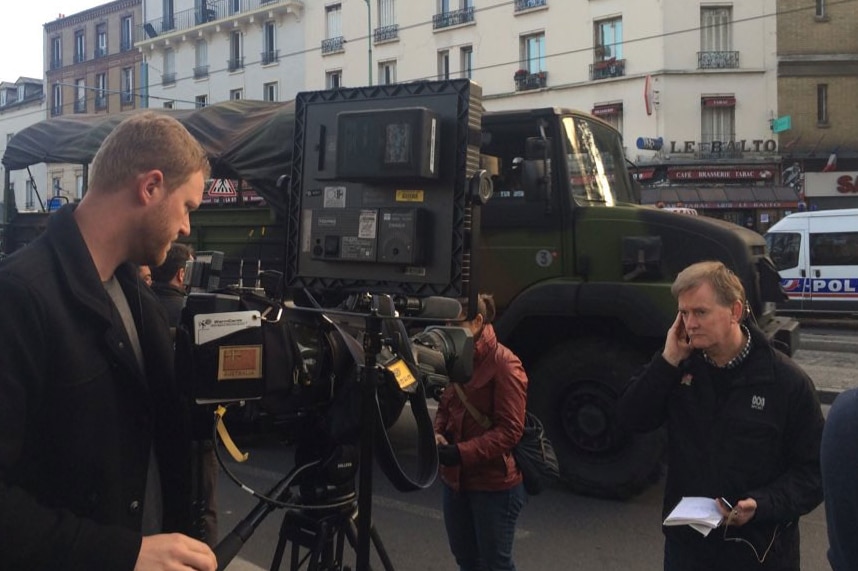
(677, 346)
(174, 551)
(440, 439)
(743, 512)
(448, 455)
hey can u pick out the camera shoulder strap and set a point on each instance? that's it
(481, 419)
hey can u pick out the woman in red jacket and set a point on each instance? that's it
(483, 490)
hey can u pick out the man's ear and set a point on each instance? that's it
(180, 275)
(738, 310)
(149, 185)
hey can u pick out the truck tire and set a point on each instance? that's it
(573, 389)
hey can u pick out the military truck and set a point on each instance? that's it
(581, 272)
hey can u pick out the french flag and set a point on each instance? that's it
(831, 164)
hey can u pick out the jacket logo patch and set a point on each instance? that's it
(686, 379)
(758, 403)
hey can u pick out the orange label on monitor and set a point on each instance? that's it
(239, 362)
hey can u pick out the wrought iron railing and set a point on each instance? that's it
(56, 63)
(235, 63)
(79, 57)
(333, 45)
(386, 33)
(80, 105)
(101, 101)
(126, 44)
(528, 4)
(525, 81)
(126, 97)
(56, 110)
(168, 78)
(270, 56)
(717, 60)
(100, 52)
(201, 71)
(607, 68)
(453, 18)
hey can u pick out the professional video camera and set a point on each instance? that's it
(384, 195)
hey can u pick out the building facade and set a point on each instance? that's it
(23, 103)
(91, 66)
(199, 52)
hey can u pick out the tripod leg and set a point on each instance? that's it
(351, 531)
(281, 546)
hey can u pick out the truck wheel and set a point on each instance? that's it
(574, 390)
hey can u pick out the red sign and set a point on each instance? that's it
(607, 110)
(731, 173)
(643, 174)
(846, 185)
(719, 101)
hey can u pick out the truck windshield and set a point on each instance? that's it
(596, 163)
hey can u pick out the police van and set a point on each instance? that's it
(816, 254)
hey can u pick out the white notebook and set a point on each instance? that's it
(700, 513)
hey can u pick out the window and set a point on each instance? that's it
(79, 47)
(236, 94)
(101, 40)
(333, 21)
(55, 184)
(234, 6)
(201, 59)
(533, 53)
(386, 14)
(168, 16)
(269, 44)
(57, 106)
(78, 186)
(716, 29)
(201, 101)
(126, 30)
(387, 72)
(80, 96)
(30, 196)
(101, 91)
(822, 104)
(718, 121)
(444, 64)
(784, 248)
(127, 85)
(269, 91)
(334, 79)
(169, 104)
(834, 249)
(610, 113)
(820, 9)
(466, 55)
(56, 53)
(609, 39)
(169, 77)
(236, 53)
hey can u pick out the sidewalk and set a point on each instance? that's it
(239, 564)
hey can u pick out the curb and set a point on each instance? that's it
(836, 344)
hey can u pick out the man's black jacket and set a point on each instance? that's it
(77, 415)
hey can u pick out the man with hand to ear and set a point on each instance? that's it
(744, 424)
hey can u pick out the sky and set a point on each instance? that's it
(22, 33)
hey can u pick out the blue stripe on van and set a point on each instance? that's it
(845, 288)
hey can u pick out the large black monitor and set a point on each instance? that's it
(380, 195)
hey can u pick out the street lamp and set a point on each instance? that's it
(369, 40)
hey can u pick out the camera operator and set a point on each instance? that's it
(94, 453)
(483, 489)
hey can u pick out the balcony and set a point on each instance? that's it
(56, 110)
(525, 81)
(126, 97)
(101, 101)
(168, 78)
(717, 60)
(270, 56)
(235, 63)
(211, 14)
(126, 44)
(453, 18)
(79, 57)
(386, 33)
(80, 105)
(333, 45)
(56, 63)
(521, 5)
(607, 68)
(201, 71)
(100, 52)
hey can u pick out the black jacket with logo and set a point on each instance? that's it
(78, 417)
(753, 431)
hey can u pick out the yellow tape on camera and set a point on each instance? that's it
(401, 373)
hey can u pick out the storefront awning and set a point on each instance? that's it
(725, 197)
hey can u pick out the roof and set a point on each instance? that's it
(248, 140)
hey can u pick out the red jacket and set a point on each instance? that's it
(498, 389)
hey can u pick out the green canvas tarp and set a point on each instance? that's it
(248, 140)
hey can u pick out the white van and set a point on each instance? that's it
(816, 254)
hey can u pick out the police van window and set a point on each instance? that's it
(783, 248)
(834, 249)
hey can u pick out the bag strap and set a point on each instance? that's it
(481, 419)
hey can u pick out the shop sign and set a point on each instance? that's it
(741, 146)
(650, 143)
(821, 184)
(721, 174)
(738, 205)
(607, 110)
(643, 174)
(846, 184)
(719, 101)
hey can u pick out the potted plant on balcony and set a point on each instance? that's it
(520, 78)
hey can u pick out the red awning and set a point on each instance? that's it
(721, 197)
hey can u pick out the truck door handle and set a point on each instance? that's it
(816, 273)
(803, 273)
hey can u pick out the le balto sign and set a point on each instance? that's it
(712, 147)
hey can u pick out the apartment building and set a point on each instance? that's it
(818, 94)
(22, 103)
(204, 51)
(91, 66)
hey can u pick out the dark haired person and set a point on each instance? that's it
(483, 489)
(744, 423)
(839, 459)
(94, 438)
(168, 281)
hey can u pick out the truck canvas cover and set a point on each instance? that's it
(249, 140)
